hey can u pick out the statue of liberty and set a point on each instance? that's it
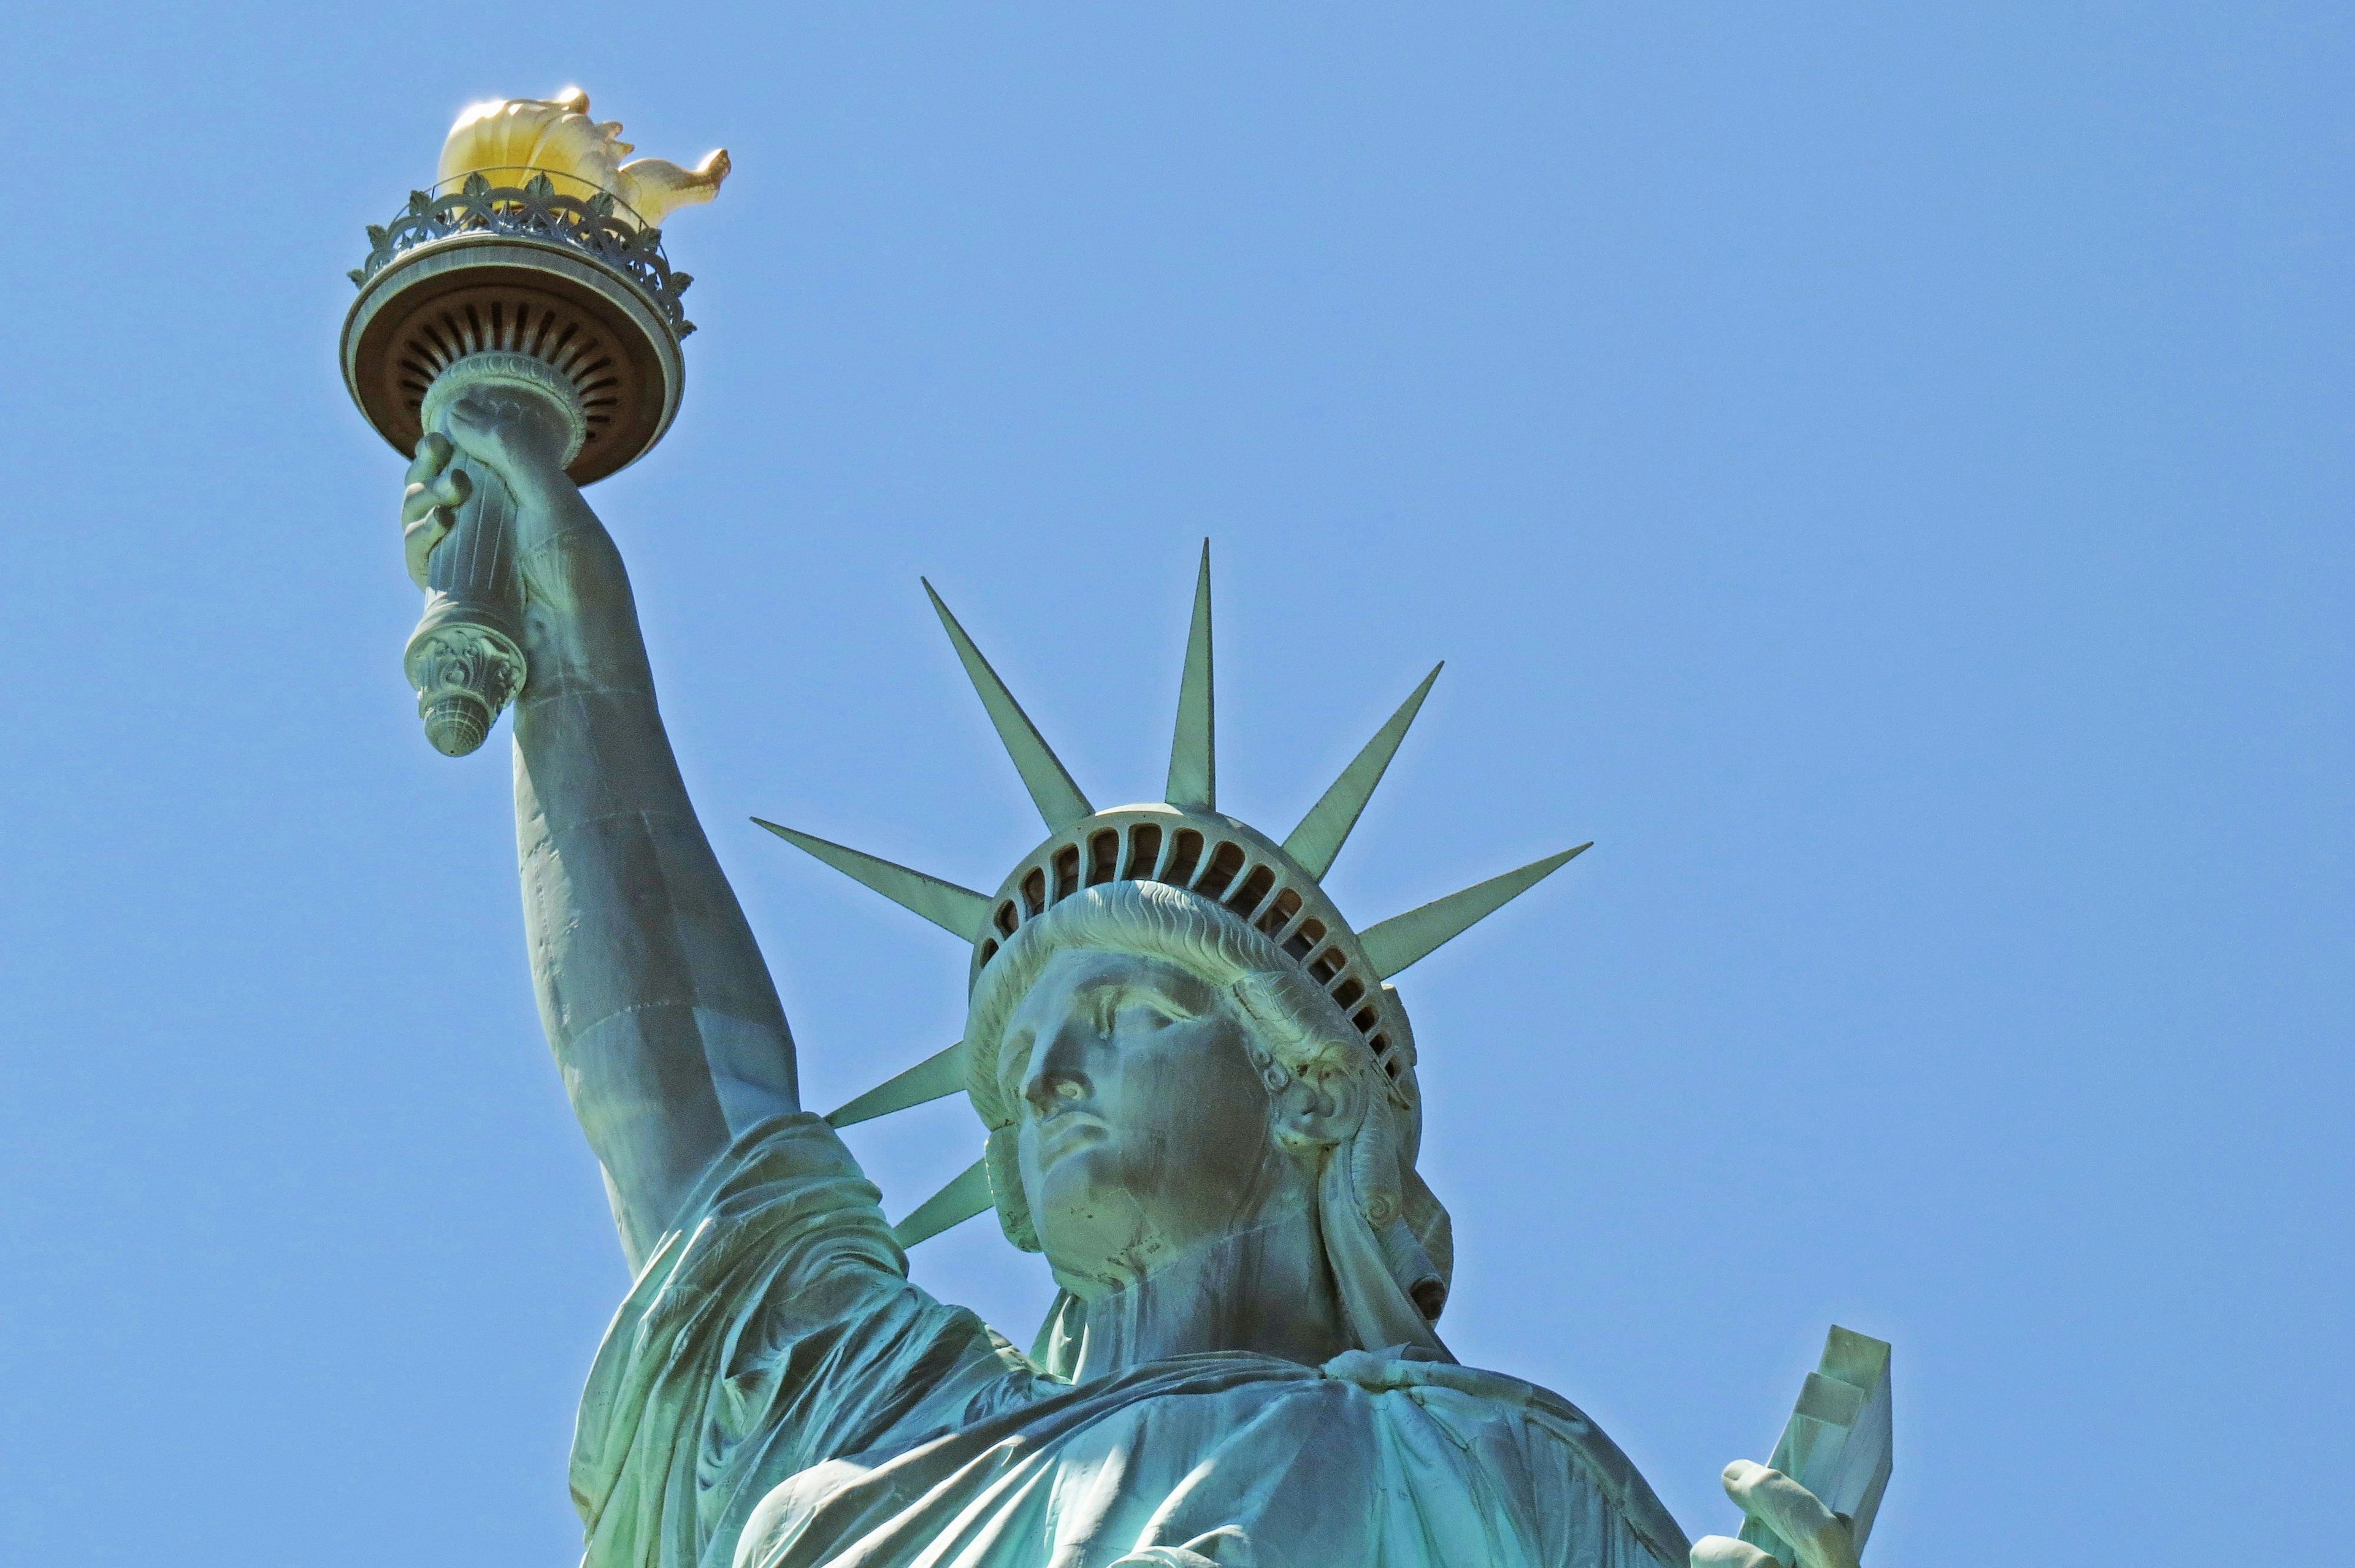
(1200, 1094)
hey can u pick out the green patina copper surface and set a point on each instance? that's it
(1197, 1099)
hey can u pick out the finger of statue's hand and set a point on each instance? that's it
(416, 543)
(519, 436)
(1724, 1551)
(432, 456)
(479, 423)
(1792, 1513)
(449, 491)
(427, 511)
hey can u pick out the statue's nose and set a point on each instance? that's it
(1054, 1091)
(1058, 1077)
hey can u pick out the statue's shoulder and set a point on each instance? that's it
(1468, 1398)
(1423, 1375)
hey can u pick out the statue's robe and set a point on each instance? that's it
(775, 1394)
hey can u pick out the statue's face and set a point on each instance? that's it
(1146, 1129)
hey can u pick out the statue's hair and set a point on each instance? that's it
(1299, 1028)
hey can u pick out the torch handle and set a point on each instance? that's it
(466, 658)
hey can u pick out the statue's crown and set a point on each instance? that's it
(1183, 842)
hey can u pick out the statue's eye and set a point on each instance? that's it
(1149, 1012)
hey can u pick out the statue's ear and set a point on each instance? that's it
(1322, 1112)
(1319, 1110)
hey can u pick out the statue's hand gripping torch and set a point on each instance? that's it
(465, 660)
(455, 721)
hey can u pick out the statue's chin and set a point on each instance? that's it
(1093, 1226)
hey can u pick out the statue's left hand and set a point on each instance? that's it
(1790, 1510)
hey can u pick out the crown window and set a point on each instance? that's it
(1225, 861)
(1279, 914)
(1254, 888)
(1183, 857)
(1305, 940)
(1144, 849)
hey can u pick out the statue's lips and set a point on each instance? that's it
(1067, 1132)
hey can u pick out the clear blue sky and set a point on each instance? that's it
(1881, 471)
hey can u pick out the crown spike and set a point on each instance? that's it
(1404, 939)
(1319, 838)
(1194, 750)
(936, 1077)
(1051, 790)
(960, 1201)
(960, 911)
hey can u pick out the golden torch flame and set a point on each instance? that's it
(507, 140)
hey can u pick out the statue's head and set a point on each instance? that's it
(1158, 1074)
(1173, 1035)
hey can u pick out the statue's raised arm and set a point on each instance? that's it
(517, 327)
(657, 1003)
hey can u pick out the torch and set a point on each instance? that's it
(534, 264)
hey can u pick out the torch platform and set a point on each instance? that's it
(525, 271)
